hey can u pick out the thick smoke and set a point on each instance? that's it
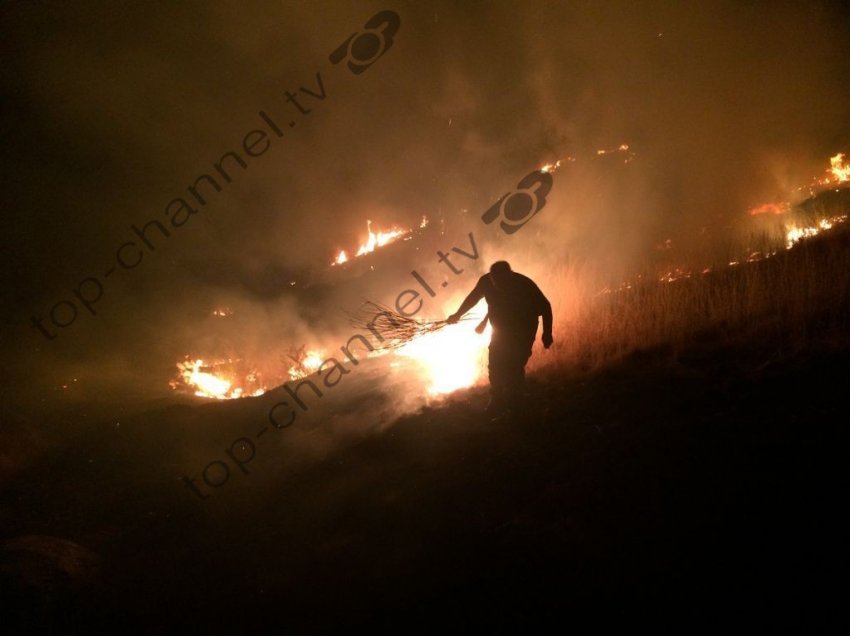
(113, 111)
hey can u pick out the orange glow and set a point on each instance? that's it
(310, 364)
(839, 170)
(378, 239)
(621, 149)
(216, 380)
(770, 208)
(452, 358)
(677, 273)
(795, 233)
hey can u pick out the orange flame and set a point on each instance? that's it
(795, 233)
(216, 380)
(770, 208)
(378, 239)
(310, 364)
(839, 170)
(450, 359)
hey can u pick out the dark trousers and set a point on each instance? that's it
(509, 352)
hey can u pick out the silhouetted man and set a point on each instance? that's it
(514, 304)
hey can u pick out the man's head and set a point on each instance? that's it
(500, 273)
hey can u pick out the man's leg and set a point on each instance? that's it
(520, 352)
(499, 369)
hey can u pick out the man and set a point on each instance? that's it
(514, 304)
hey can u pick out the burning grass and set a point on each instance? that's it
(447, 358)
(789, 280)
(798, 296)
(224, 379)
(795, 295)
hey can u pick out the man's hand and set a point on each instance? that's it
(547, 340)
(453, 319)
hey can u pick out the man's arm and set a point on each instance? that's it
(547, 323)
(545, 310)
(468, 303)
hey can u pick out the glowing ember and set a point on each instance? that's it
(341, 258)
(551, 167)
(451, 359)
(216, 380)
(622, 149)
(624, 286)
(677, 273)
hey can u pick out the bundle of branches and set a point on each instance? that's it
(395, 329)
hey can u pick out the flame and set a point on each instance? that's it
(552, 167)
(452, 358)
(379, 239)
(770, 208)
(309, 364)
(795, 233)
(222, 379)
(215, 380)
(839, 170)
(837, 173)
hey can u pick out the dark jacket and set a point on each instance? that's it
(513, 307)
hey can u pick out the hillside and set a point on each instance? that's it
(695, 480)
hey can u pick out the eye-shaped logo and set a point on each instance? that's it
(516, 208)
(363, 49)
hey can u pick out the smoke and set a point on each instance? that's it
(112, 112)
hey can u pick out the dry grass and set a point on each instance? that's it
(793, 300)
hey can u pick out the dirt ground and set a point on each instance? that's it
(695, 490)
